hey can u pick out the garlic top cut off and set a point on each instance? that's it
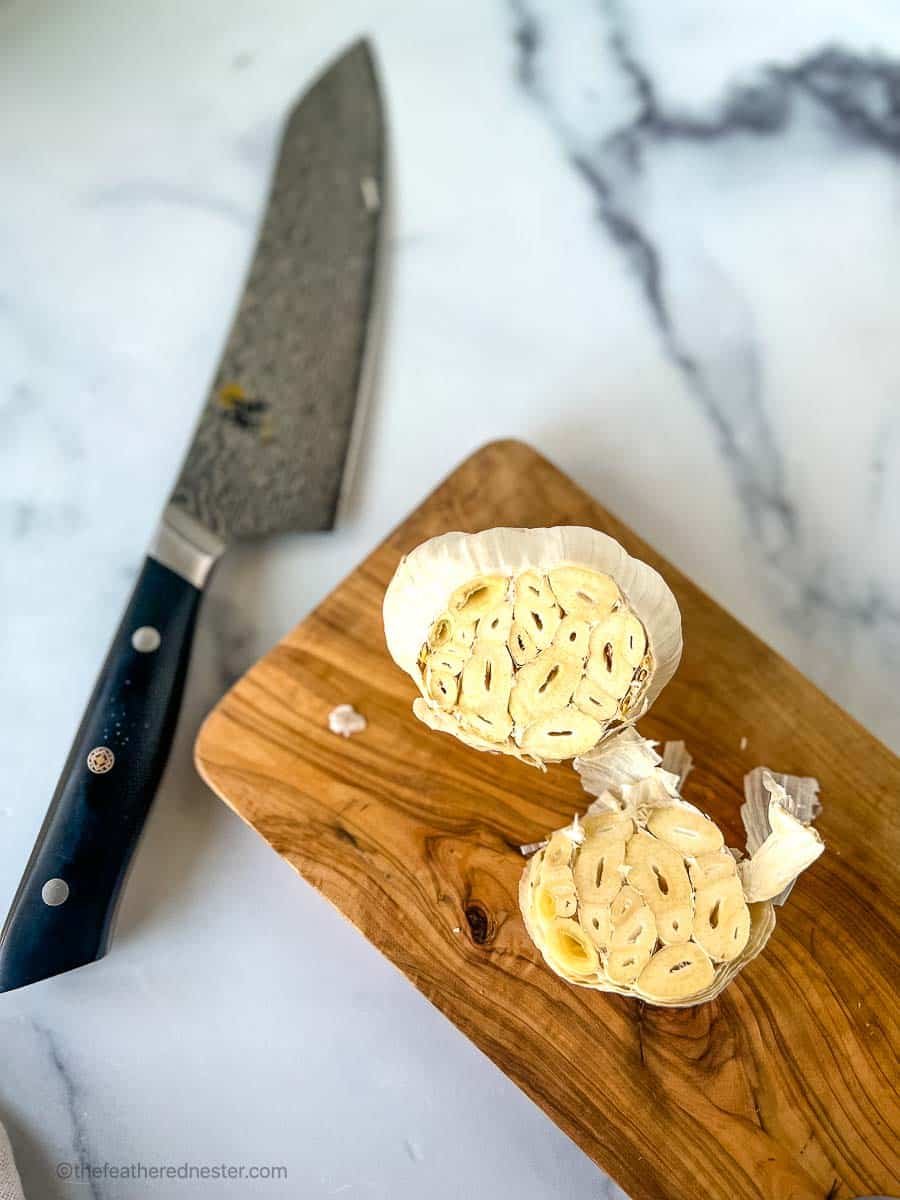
(531, 642)
(650, 902)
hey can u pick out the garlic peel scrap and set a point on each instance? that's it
(788, 849)
(532, 642)
(671, 913)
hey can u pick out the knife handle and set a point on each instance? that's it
(63, 912)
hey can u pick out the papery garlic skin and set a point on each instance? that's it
(670, 913)
(531, 642)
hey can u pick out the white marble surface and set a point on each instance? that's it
(660, 241)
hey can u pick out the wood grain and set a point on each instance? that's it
(785, 1085)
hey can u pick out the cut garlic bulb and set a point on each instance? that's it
(533, 642)
(648, 901)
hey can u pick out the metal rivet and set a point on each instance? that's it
(55, 892)
(100, 760)
(146, 639)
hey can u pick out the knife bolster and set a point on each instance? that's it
(185, 546)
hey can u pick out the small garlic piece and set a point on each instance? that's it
(533, 642)
(345, 721)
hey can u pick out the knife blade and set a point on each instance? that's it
(269, 454)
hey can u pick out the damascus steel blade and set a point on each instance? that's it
(270, 448)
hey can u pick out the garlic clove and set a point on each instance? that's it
(631, 945)
(686, 829)
(596, 922)
(561, 735)
(707, 868)
(594, 702)
(568, 947)
(721, 919)
(609, 822)
(675, 973)
(522, 645)
(478, 596)
(573, 635)
(486, 681)
(597, 872)
(449, 658)
(442, 687)
(544, 686)
(607, 665)
(581, 592)
(659, 874)
(496, 626)
(626, 902)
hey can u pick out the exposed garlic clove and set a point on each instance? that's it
(496, 626)
(573, 635)
(532, 590)
(544, 686)
(597, 872)
(631, 945)
(610, 822)
(521, 644)
(657, 871)
(535, 608)
(721, 919)
(441, 687)
(686, 829)
(624, 904)
(659, 874)
(607, 664)
(593, 701)
(627, 634)
(549, 905)
(625, 963)
(440, 632)
(675, 973)
(540, 623)
(561, 735)
(710, 867)
(494, 725)
(543, 904)
(568, 947)
(478, 596)
(486, 680)
(583, 593)
(464, 634)
(596, 922)
(450, 659)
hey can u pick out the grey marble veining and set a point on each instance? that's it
(659, 241)
(723, 368)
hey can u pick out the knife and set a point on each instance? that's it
(269, 454)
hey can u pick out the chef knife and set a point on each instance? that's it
(269, 454)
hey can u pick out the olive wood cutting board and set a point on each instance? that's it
(782, 1087)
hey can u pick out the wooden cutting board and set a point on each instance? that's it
(784, 1086)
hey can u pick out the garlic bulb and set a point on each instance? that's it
(649, 902)
(531, 642)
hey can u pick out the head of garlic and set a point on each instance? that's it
(644, 899)
(532, 642)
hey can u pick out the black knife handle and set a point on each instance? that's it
(63, 911)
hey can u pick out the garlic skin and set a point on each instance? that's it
(531, 642)
(650, 902)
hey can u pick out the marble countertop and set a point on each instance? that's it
(658, 241)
